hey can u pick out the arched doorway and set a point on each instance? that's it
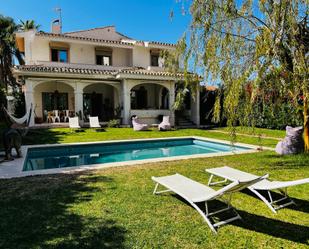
(100, 100)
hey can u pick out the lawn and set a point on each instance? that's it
(115, 208)
(65, 135)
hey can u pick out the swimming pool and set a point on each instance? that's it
(63, 156)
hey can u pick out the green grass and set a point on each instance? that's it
(256, 131)
(63, 135)
(115, 208)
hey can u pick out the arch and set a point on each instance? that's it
(151, 96)
(52, 95)
(100, 99)
(53, 83)
(146, 83)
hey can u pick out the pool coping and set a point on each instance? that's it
(12, 169)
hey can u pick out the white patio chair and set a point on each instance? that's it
(231, 174)
(165, 124)
(66, 116)
(74, 123)
(56, 116)
(137, 126)
(94, 122)
(196, 193)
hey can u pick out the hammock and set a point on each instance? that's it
(20, 121)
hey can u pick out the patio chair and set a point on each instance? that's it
(94, 122)
(196, 194)
(231, 174)
(56, 116)
(165, 124)
(74, 123)
(137, 126)
(50, 117)
(66, 116)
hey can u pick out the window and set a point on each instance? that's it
(154, 60)
(104, 60)
(60, 54)
(139, 98)
(55, 101)
(103, 56)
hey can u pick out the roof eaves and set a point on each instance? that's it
(82, 38)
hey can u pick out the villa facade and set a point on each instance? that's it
(98, 72)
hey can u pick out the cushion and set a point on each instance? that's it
(293, 142)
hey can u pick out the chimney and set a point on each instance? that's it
(56, 27)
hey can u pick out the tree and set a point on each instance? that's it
(28, 25)
(263, 43)
(8, 50)
(8, 54)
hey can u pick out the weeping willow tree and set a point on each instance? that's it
(257, 51)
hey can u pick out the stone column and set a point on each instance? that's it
(78, 100)
(29, 99)
(171, 102)
(126, 102)
(195, 107)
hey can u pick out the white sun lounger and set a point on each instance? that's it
(196, 193)
(231, 174)
(94, 122)
(73, 123)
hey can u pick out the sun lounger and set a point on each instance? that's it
(228, 173)
(196, 194)
(73, 123)
(94, 122)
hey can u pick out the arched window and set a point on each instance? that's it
(149, 96)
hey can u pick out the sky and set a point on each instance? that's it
(147, 20)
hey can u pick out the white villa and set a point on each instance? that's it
(98, 72)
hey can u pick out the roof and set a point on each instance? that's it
(107, 33)
(211, 88)
(64, 36)
(79, 69)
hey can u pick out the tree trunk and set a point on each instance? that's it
(306, 124)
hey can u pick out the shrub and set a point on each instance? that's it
(113, 123)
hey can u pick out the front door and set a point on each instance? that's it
(93, 104)
(97, 104)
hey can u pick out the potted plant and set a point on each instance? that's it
(117, 113)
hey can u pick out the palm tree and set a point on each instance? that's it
(8, 51)
(28, 25)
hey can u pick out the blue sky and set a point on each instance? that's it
(139, 19)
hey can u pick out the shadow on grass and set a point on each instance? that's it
(44, 212)
(300, 205)
(272, 227)
(43, 136)
(286, 162)
(257, 223)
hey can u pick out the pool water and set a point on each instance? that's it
(100, 153)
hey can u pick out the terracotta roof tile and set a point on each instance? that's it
(44, 34)
(86, 69)
(92, 39)
(55, 69)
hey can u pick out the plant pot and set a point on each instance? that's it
(38, 120)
